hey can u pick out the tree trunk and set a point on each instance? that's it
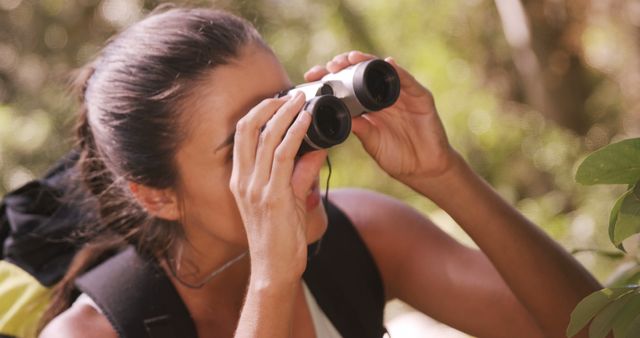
(545, 39)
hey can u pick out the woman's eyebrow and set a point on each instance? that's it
(227, 141)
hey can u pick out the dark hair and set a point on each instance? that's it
(129, 127)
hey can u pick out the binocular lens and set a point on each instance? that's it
(379, 86)
(376, 85)
(330, 125)
(328, 121)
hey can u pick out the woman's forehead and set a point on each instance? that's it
(229, 91)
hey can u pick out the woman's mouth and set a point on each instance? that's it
(313, 197)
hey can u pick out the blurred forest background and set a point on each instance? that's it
(525, 88)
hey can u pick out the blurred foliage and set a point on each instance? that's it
(522, 100)
(614, 308)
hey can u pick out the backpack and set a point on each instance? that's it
(34, 232)
(36, 222)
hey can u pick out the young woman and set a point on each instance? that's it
(193, 161)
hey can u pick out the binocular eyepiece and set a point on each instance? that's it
(332, 101)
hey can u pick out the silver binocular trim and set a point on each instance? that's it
(336, 98)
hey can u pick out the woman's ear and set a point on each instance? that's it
(160, 203)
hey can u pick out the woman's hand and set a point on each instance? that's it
(407, 139)
(270, 189)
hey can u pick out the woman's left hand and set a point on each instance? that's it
(407, 139)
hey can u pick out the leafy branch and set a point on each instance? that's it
(614, 308)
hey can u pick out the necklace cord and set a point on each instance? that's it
(326, 190)
(208, 278)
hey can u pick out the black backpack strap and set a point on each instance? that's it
(137, 297)
(341, 275)
(345, 280)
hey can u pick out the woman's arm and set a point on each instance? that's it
(270, 188)
(408, 141)
(424, 267)
(268, 309)
(546, 279)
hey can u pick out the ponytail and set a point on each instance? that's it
(118, 222)
(97, 249)
(133, 127)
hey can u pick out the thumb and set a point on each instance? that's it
(363, 127)
(306, 170)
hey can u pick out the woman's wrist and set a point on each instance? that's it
(271, 284)
(440, 183)
(283, 262)
(267, 272)
(268, 308)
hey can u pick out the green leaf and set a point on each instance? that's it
(613, 218)
(617, 163)
(603, 322)
(633, 331)
(627, 222)
(628, 316)
(600, 252)
(626, 277)
(591, 305)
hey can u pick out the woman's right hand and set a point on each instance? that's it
(270, 186)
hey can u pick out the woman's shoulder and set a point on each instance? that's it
(395, 233)
(389, 226)
(77, 321)
(369, 210)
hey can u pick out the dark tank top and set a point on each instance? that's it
(139, 300)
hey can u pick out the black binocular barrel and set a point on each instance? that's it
(330, 124)
(365, 87)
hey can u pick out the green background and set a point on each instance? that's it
(523, 100)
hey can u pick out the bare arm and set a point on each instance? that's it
(544, 277)
(268, 309)
(270, 188)
(429, 270)
(409, 142)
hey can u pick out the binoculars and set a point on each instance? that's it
(332, 101)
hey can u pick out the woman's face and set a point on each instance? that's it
(204, 161)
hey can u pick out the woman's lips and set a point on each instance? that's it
(313, 198)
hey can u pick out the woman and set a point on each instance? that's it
(192, 160)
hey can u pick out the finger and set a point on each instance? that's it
(287, 150)
(365, 128)
(272, 135)
(306, 171)
(362, 127)
(338, 63)
(246, 134)
(408, 83)
(315, 73)
(347, 59)
(356, 56)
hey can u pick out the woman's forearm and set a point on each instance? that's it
(268, 309)
(546, 279)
